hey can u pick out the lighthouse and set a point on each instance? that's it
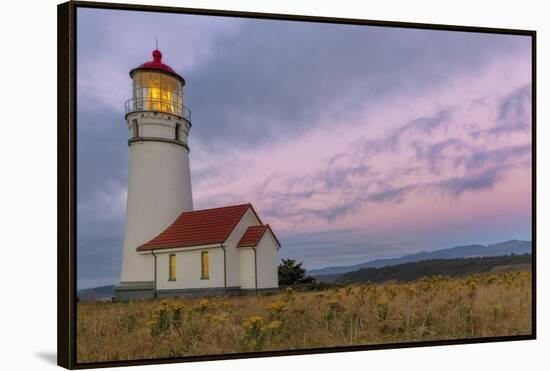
(169, 249)
(159, 180)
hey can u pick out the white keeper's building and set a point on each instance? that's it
(169, 249)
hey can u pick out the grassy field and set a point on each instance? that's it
(434, 308)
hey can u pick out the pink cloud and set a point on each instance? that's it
(399, 164)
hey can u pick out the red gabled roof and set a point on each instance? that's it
(201, 227)
(254, 234)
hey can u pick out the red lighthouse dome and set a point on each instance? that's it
(157, 65)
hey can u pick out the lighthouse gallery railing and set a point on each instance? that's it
(157, 105)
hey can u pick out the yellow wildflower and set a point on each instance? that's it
(274, 325)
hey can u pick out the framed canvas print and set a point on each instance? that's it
(246, 185)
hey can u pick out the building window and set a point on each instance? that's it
(204, 265)
(172, 267)
(135, 129)
(177, 132)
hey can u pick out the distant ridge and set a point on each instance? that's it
(469, 251)
(96, 293)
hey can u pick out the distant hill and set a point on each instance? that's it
(96, 293)
(501, 248)
(445, 267)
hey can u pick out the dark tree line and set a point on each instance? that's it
(445, 267)
(292, 273)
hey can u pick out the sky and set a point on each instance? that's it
(353, 142)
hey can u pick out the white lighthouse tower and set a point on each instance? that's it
(159, 180)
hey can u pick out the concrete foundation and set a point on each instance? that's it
(145, 290)
(127, 291)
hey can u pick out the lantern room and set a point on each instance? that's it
(157, 88)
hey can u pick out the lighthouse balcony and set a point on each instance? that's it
(158, 105)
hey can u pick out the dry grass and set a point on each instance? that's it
(428, 309)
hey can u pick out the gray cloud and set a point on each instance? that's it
(423, 126)
(435, 155)
(514, 115)
(477, 182)
(481, 159)
(390, 194)
(515, 109)
(298, 73)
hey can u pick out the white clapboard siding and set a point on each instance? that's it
(248, 280)
(267, 261)
(188, 270)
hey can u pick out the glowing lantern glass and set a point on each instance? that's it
(156, 87)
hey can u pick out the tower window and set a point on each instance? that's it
(177, 132)
(135, 129)
(172, 267)
(204, 265)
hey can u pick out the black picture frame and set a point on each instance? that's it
(66, 136)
